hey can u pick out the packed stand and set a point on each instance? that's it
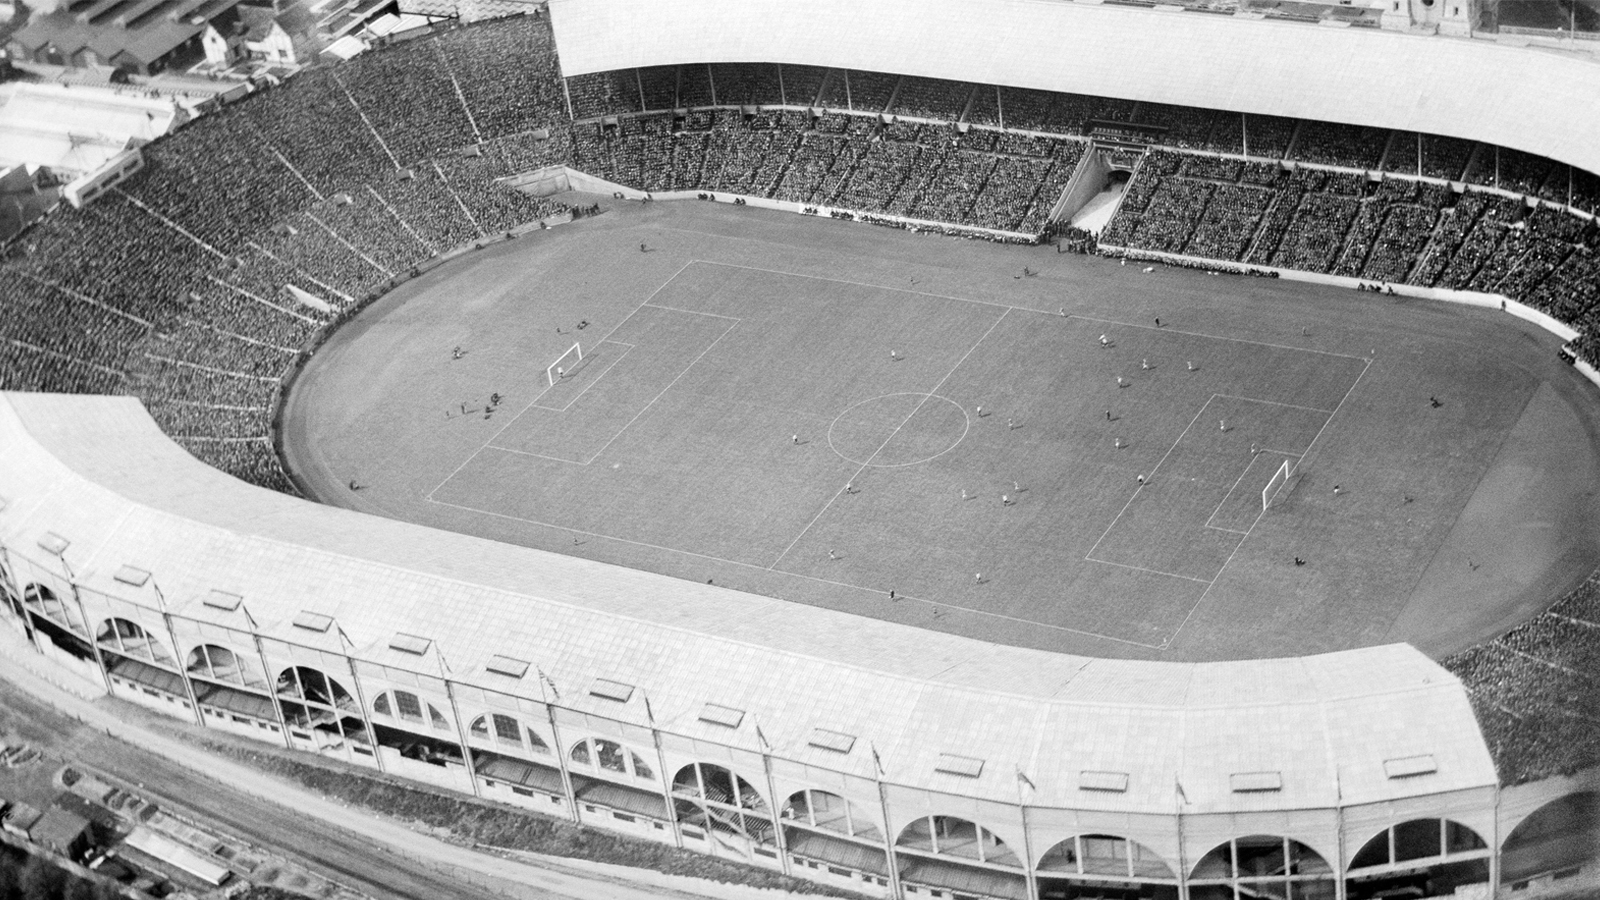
(407, 96)
(507, 73)
(175, 285)
(748, 84)
(1536, 690)
(932, 98)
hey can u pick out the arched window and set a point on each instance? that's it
(507, 733)
(1418, 858)
(609, 756)
(308, 684)
(43, 601)
(130, 639)
(829, 812)
(1559, 835)
(1107, 855)
(1415, 841)
(410, 708)
(719, 785)
(712, 797)
(221, 664)
(1262, 866)
(950, 836)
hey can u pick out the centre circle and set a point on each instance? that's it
(898, 429)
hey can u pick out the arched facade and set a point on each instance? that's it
(218, 663)
(1262, 866)
(605, 755)
(1547, 841)
(1425, 857)
(131, 639)
(506, 733)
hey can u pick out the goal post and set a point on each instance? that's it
(1274, 485)
(564, 365)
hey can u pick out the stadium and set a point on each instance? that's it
(688, 422)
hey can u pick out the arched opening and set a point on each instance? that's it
(415, 729)
(826, 829)
(946, 853)
(217, 663)
(310, 685)
(1558, 836)
(609, 756)
(318, 709)
(44, 603)
(507, 736)
(506, 733)
(1104, 865)
(1418, 858)
(130, 639)
(601, 771)
(722, 804)
(411, 710)
(1262, 866)
(55, 621)
(212, 669)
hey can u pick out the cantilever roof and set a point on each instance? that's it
(98, 472)
(1534, 100)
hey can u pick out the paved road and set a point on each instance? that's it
(335, 853)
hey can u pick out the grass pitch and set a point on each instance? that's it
(827, 412)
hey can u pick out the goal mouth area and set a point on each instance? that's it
(565, 365)
(1270, 493)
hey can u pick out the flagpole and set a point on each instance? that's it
(1179, 798)
(266, 672)
(547, 687)
(888, 825)
(1027, 840)
(772, 791)
(661, 770)
(349, 649)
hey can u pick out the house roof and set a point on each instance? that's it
(141, 30)
(58, 828)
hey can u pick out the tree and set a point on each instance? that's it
(41, 880)
(10, 867)
(79, 889)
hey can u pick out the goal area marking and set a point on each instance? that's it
(566, 361)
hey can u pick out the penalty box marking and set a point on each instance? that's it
(1152, 480)
(591, 382)
(645, 408)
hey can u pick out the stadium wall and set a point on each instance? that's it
(1536, 101)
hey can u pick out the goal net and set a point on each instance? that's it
(1270, 492)
(561, 367)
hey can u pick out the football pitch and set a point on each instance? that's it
(827, 413)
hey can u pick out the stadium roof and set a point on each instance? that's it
(1309, 732)
(1533, 100)
(76, 129)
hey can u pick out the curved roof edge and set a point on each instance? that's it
(1536, 101)
(97, 472)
